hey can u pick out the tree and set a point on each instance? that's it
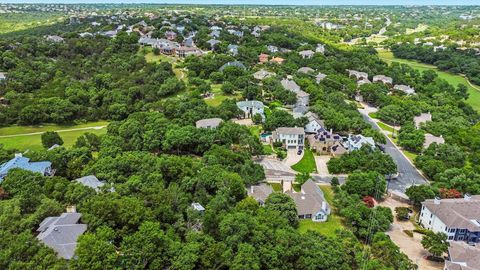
(51, 138)
(403, 213)
(418, 194)
(411, 138)
(435, 243)
(228, 88)
(95, 251)
(334, 182)
(366, 184)
(284, 205)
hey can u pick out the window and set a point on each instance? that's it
(430, 222)
(460, 238)
(462, 231)
(446, 228)
(452, 230)
(421, 215)
(431, 215)
(450, 238)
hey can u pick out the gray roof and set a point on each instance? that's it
(429, 139)
(382, 78)
(320, 76)
(260, 192)
(309, 200)
(305, 70)
(262, 74)
(314, 117)
(404, 88)
(198, 207)
(3, 75)
(251, 104)
(233, 64)
(61, 233)
(289, 130)
(357, 74)
(457, 213)
(91, 181)
(463, 256)
(290, 85)
(422, 118)
(208, 123)
(306, 53)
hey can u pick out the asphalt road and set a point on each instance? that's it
(408, 174)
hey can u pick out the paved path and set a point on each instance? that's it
(59, 131)
(292, 157)
(408, 174)
(321, 162)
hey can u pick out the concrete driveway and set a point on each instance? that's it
(321, 162)
(292, 157)
(411, 246)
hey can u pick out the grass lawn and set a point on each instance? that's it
(385, 127)
(276, 187)
(373, 115)
(307, 163)
(267, 149)
(219, 96)
(410, 155)
(255, 130)
(33, 141)
(453, 79)
(329, 227)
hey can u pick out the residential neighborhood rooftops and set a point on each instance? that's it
(422, 118)
(208, 123)
(305, 70)
(24, 163)
(404, 88)
(429, 139)
(357, 74)
(260, 192)
(382, 78)
(251, 103)
(263, 74)
(90, 181)
(310, 199)
(233, 64)
(289, 130)
(456, 213)
(462, 256)
(290, 85)
(61, 233)
(320, 76)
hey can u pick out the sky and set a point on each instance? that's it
(267, 2)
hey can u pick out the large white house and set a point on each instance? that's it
(458, 218)
(251, 108)
(289, 137)
(355, 142)
(314, 123)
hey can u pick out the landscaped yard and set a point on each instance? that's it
(453, 79)
(276, 187)
(29, 137)
(219, 96)
(307, 163)
(329, 227)
(267, 149)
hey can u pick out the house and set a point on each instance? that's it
(188, 42)
(320, 48)
(184, 51)
(363, 81)
(263, 58)
(314, 123)
(429, 139)
(357, 74)
(305, 70)
(110, 34)
(56, 39)
(170, 35)
(289, 137)
(422, 118)
(382, 78)
(320, 76)
(307, 54)
(290, 85)
(458, 218)
(462, 256)
(439, 48)
(215, 34)
(262, 74)
(85, 34)
(237, 64)
(323, 141)
(355, 142)
(310, 202)
(91, 181)
(20, 162)
(233, 49)
(235, 32)
(213, 43)
(198, 207)
(251, 108)
(272, 49)
(208, 123)
(303, 99)
(405, 89)
(277, 60)
(260, 192)
(61, 233)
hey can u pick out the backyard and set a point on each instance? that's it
(29, 137)
(329, 227)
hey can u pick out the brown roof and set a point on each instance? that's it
(457, 213)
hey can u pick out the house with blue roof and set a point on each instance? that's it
(21, 162)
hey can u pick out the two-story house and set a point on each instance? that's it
(458, 218)
(251, 108)
(289, 137)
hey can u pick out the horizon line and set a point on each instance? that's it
(237, 4)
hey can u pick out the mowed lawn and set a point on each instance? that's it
(307, 163)
(453, 79)
(219, 96)
(26, 140)
(329, 227)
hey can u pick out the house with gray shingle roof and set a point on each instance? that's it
(357, 74)
(233, 49)
(430, 139)
(405, 89)
(251, 108)
(458, 218)
(61, 233)
(305, 70)
(320, 76)
(307, 54)
(20, 162)
(462, 256)
(290, 137)
(3, 76)
(91, 181)
(382, 78)
(262, 74)
(422, 118)
(355, 142)
(208, 123)
(260, 192)
(310, 202)
(213, 42)
(237, 64)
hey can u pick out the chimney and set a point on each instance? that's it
(436, 200)
(251, 189)
(467, 197)
(331, 131)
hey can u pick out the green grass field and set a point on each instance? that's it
(26, 140)
(307, 163)
(16, 22)
(219, 96)
(329, 227)
(267, 149)
(453, 79)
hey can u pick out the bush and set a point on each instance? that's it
(403, 213)
(281, 154)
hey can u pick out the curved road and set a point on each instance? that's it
(408, 174)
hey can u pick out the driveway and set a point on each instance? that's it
(276, 170)
(321, 162)
(411, 246)
(408, 174)
(292, 157)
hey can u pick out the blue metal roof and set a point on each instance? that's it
(20, 162)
